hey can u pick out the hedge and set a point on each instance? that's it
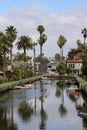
(8, 86)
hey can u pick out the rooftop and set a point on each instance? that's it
(74, 61)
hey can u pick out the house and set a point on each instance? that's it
(75, 65)
(51, 68)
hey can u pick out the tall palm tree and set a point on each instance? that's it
(25, 43)
(41, 29)
(61, 42)
(84, 32)
(34, 60)
(13, 34)
(42, 39)
(5, 45)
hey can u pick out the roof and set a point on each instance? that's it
(74, 61)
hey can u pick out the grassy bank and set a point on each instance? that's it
(82, 83)
(8, 86)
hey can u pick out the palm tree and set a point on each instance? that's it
(25, 111)
(84, 32)
(42, 39)
(62, 108)
(24, 43)
(78, 42)
(34, 60)
(61, 42)
(72, 53)
(41, 29)
(57, 57)
(20, 57)
(5, 46)
(13, 34)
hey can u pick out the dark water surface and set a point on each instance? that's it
(46, 106)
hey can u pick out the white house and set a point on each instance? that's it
(51, 68)
(75, 65)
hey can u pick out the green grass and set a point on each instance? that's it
(82, 83)
(8, 86)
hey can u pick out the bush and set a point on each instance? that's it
(5, 80)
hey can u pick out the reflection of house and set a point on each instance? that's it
(51, 70)
(75, 65)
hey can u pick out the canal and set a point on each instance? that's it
(45, 106)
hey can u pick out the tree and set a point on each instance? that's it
(20, 57)
(42, 39)
(24, 43)
(84, 67)
(5, 46)
(11, 31)
(72, 53)
(78, 42)
(57, 57)
(34, 50)
(61, 42)
(61, 68)
(84, 32)
(41, 29)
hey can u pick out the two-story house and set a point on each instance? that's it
(75, 65)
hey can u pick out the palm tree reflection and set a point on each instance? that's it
(5, 122)
(43, 113)
(62, 108)
(25, 111)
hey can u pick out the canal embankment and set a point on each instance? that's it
(10, 85)
(82, 83)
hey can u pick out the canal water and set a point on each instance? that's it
(46, 106)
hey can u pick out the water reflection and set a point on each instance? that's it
(25, 111)
(6, 122)
(43, 113)
(62, 108)
(46, 106)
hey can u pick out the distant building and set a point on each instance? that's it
(51, 68)
(75, 65)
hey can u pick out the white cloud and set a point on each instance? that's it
(68, 24)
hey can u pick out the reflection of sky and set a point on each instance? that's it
(51, 106)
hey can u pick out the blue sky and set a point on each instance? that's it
(66, 17)
(53, 5)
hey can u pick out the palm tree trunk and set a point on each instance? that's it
(40, 58)
(61, 54)
(4, 64)
(34, 58)
(11, 54)
(84, 41)
(24, 55)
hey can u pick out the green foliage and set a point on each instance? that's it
(72, 53)
(61, 68)
(28, 72)
(68, 70)
(10, 85)
(3, 80)
(61, 41)
(19, 74)
(20, 57)
(82, 83)
(84, 67)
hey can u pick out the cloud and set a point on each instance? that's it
(26, 20)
